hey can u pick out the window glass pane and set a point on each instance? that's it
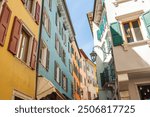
(23, 52)
(128, 32)
(137, 31)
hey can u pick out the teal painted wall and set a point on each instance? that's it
(50, 42)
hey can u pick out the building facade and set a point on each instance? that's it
(91, 81)
(83, 83)
(55, 52)
(130, 36)
(128, 30)
(19, 24)
(76, 70)
(102, 46)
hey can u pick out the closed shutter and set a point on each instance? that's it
(37, 13)
(47, 59)
(33, 55)
(116, 34)
(23, 1)
(146, 19)
(15, 36)
(4, 22)
(55, 70)
(60, 76)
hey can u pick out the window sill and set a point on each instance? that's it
(44, 67)
(31, 15)
(134, 44)
(117, 2)
(22, 62)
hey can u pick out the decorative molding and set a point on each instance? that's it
(117, 2)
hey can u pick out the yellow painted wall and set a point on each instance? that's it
(76, 95)
(14, 74)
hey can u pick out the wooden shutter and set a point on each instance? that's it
(33, 55)
(116, 34)
(15, 36)
(146, 19)
(23, 1)
(47, 59)
(55, 70)
(37, 13)
(99, 34)
(4, 22)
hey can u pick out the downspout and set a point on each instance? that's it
(38, 50)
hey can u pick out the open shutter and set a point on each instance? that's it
(33, 55)
(23, 1)
(4, 22)
(15, 36)
(99, 34)
(47, 59)
(146, 19)
(37, 13)
(116, 34)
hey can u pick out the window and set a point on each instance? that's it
(44, 55)
(56, 19)
(69, 47)
(46, 22)
(64, 83)
(64, 57)
(59, 13)
(70, 66)
(89, 95)
(104, 50)
(57, 72)
(85, 81)
(65, 39)
(20, 96)
(29, 5)
(144, 92)
(132, 31)
(50, 4)
(60, 28)
(24, 46)
(57, 43)
(75, 85)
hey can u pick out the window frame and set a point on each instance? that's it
(46, 22)
(20, 95)
(132, 30)
(26, 29)
(64, 82)
(43, 60)
(59, 75)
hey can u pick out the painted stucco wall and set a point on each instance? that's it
(50, 42)
(16, 75)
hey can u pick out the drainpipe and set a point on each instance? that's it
(38, 50)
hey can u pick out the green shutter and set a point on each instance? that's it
(99, 34)
(146, 18)
(116, 34)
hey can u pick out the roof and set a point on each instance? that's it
(83, 53)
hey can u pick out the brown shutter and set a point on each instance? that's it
(37, 13)
(23, 1)
(15, 36)
(33, 55)
(4, 22)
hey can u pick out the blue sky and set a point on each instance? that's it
(78, 10)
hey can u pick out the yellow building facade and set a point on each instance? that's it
(19, 24)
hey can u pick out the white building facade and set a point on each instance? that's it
(129, 30)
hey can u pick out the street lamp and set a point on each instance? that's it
(94, 55)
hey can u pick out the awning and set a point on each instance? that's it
(45, 87)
